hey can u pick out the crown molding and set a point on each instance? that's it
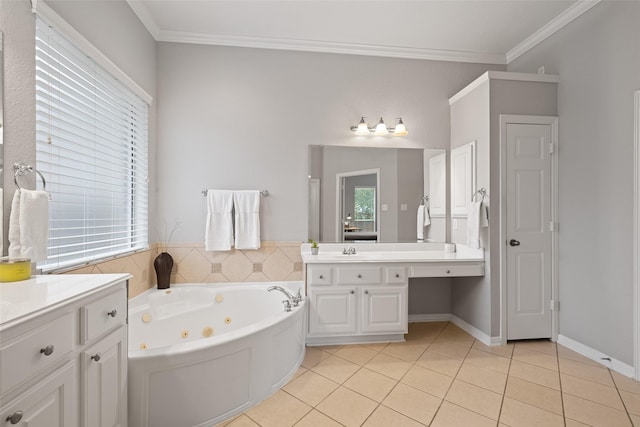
(550, 28)
(329, 47)
(503, 75)
(145, 17)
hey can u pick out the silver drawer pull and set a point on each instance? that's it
(47, 351)
(112, 313)
(366, 292)
(15, 417)
(321, 276)
(448, 271)
(359, 276)
(96, 357)
(352, 291)
(397, 275)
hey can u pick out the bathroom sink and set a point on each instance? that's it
(345, 257)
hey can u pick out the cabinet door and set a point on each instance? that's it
(384, 309)
(104, 380)
(332, 311)
(50, 403)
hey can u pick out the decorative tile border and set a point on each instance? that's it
(274, 261)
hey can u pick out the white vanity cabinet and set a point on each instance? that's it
(63, 351)
(356, 303)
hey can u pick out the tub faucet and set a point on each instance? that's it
(291, 299)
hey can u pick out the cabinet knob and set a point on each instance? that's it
(448, 271)
(15, 417)
(321, 276)
(359, 276)
(47, 351)
(366, 292)
(96, 357)
(112, 313)
(352, 292)
(397, 275)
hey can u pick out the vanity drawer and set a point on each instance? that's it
(103, 315)
(319, 276)
(395, 275)
(359, 275)
(447, 270)
(35, 350)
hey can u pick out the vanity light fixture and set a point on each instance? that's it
(381, 129)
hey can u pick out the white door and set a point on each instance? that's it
(528, 230)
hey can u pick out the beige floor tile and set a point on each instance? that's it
(347, 407)
(356, 354)
(596, 374)
(592, 413)
(542, 346)
(450, 415)
(451, 349)
(626, 383)
(405, 351)
(535, 374)
(370, 384)
(301, 370)
(518, 414)
(389, 366)
(565, 353)
(330, 348)
(313, 356)
(591, 391)
(454, 337)
(385, 417)
(535, 395)
(635, 419)
(242, 421)
(427, 380)
(439, 362)
(279, 410)
(532, 357)
(375, 346)
(413, 403)
(631, 402)
(489, 361)
(482, 377)
(475, 398)
(336, 369)
(317, 419)
(573, 423)
(310, 387)
(499, 350)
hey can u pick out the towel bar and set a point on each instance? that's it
(20, 169)
(262, 192)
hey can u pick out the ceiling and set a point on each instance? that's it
(481, 31)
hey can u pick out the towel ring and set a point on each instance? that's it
(482, 192)
(20, 169)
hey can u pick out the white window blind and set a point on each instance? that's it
(91, 146)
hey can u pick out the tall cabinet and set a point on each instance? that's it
(475, 117)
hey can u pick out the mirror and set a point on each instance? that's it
(2, 252)
(370, 194)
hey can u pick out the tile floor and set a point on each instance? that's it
(441, 376)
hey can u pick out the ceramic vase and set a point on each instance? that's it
(163, 265)
(314, 251)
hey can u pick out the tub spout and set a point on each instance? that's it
(295, 299)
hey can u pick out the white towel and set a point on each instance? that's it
(484, 216)
(219, 227)
(423, 219)
(29, 225)
(473, 225)
(247, 217)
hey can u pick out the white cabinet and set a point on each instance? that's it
(65, 363)
(357, 303)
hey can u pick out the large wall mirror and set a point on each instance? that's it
(368, 194)
(2, 249)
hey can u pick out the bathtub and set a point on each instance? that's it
(201, 353)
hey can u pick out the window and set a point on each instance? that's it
(91, 146)
(365, 208)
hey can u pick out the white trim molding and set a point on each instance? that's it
(504, 75)
(596, 356)
(425, 318)
(473, 331)
(566, 17)
(636, 237)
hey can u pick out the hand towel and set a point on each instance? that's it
(247, 218)
(423, 219)
(219, 227)
(484, 215)
(473, 225)
(29, 225)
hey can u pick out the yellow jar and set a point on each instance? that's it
(15, 270)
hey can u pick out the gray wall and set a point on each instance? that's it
(410, 190)
(597, 59)
(111, 26)
(242, 118)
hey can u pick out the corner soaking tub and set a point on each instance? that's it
(201, 353)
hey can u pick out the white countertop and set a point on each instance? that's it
(20, 300)
(390, 252)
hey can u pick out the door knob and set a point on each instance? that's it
(514, 242)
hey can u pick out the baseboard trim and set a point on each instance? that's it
(471, 330)
(596, 356)
(419, 318)
(448, 317)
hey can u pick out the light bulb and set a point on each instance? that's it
(381, 129)
(400, 129)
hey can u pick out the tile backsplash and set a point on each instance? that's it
(274, 261)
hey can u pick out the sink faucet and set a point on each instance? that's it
(349, 251)
(291, 299)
